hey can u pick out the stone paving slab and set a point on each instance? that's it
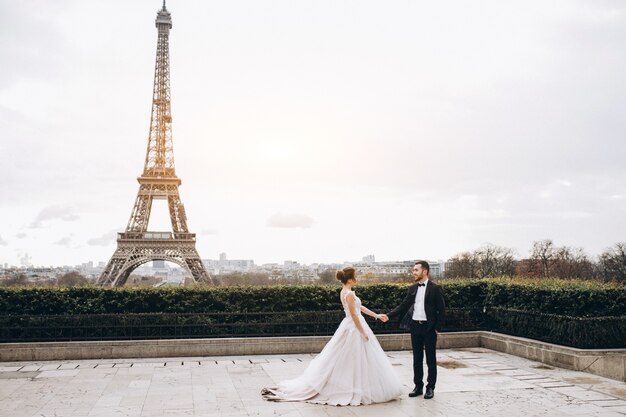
(472, 382)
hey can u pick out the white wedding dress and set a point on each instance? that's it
(348, 371)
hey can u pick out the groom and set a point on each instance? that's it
(422, 311)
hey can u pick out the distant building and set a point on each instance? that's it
(384, 268)
(370, 266)
(289, 269)
(369, 259)
(291, 265)
(437, 269)
(225, 265)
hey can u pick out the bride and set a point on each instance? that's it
(352, 369)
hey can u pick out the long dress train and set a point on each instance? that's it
(348, 371)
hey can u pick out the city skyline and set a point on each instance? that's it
(223, 257)
(317, 132)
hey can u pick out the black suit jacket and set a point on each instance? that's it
(434, 305)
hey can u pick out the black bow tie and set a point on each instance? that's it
(421, 285)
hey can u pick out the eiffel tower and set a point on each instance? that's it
(137, 245)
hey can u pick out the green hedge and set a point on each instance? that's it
(552, 296)
(571, 298)
(31, 328)
(579, 332)
(575, 313)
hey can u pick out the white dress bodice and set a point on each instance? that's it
(344, 303)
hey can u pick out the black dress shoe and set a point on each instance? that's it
(430, 393)
(416, 391)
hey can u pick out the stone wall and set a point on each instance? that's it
(610, 363)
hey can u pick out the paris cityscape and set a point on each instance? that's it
(487, 261)
(156, 256)
(312, 167)
(312, 209)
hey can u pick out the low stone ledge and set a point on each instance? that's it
(204, 347)
(610, 363)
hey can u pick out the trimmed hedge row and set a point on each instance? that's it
(571, 298)
(29, 328)
(564, 297)
(579, 332)
(575, 313)
(165, 325)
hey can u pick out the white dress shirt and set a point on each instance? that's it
(419, 313)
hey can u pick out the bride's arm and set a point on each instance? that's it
(355, 317)
(370, 312)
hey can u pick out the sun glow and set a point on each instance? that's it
(272, 152)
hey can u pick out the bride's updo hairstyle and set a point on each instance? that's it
(345, 274)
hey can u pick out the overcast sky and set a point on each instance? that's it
(320, 130)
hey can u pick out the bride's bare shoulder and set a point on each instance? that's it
(349, 295)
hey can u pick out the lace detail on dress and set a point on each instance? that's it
(343, 297)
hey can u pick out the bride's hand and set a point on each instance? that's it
(364, 337)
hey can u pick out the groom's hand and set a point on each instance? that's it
(384, 318)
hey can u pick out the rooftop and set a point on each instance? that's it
(471, 382)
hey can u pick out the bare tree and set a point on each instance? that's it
(613, 263)
(543, 253)
(245, 278)
(493, 261)
(529, 268)
(486, 261)
(72, 279)
(461, 265)
(571, 263)
(19, 280)
(548, 260)
(369, 278)
(327, 276)
(398, 278)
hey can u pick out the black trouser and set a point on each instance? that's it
(424, 339)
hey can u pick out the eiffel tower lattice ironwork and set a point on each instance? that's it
(137, 245)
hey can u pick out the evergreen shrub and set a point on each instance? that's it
(576, 313)
(565, 297)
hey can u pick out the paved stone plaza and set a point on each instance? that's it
(472, 382)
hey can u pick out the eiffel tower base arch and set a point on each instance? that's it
(133, 252)
(158, 182)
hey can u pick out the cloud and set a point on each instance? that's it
(20, 235)
(104, 240)
(3, 242)
(64, 241)
(490, 128)
(54, 213)
(290, 221)
(26, 260)
(205, 232)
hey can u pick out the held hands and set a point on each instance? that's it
(382, 317)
